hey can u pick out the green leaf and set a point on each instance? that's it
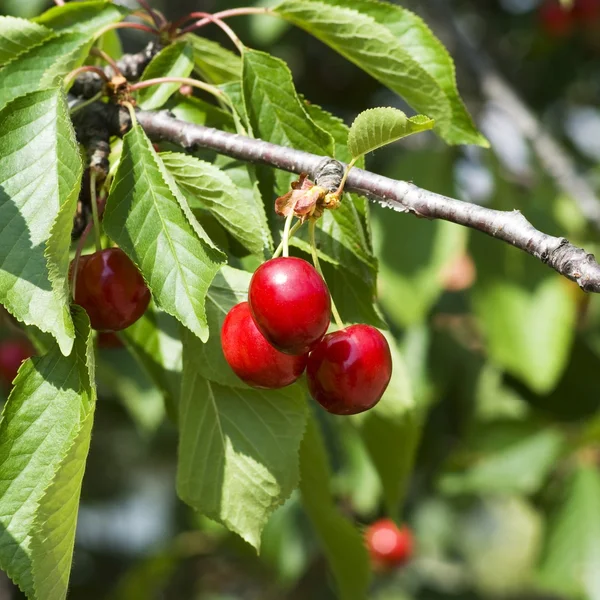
(44, 419)
(82, 17)
(215, 63)
(195, 110)
(53, 537)
(391, 432)
(148, 218)
(342, 544)
(40, 172)
(208, 187)
(37, 68)
(377, 127)
(526, 311)
(570, 564)
(123, 374)
(238, 448)
(276, 113)
(398, 49)
(19, 35)
(175, 60)
(413, 251)
(155, 341)
(518, 467)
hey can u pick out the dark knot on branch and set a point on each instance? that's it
(328, 174)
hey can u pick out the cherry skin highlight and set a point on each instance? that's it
(389, 545)
(290, 304)
(349, 370)
(251, 357)
(111, 290)
(12, 354)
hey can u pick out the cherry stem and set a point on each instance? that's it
(131, 110)
(87, 102)
(124, 25)
(292, 232)
(88, 68)
(95, 215)
(211, 89)
(313, 250)
(286, 234)
(152, 14)
(78, 252)
(217, 21)
(106, 58)
(225, 14)
(340, 189)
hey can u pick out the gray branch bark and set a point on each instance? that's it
(510, 226)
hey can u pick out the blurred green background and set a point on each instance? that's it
(505, 496)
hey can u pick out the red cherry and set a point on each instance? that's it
(251, 357)
(12, 354)
(556, 20)
(388, 545)
(290, 304)
(111, 290)
(109, 340)
(587, 11)
(348, 370)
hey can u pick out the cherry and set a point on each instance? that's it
(290, 304)
(251, 357)
(348, 370)
(587, 11)
(389, 545)
(111, 290)
(556, 20)
(12, 354)
(109, 340)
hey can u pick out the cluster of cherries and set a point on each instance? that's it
(280, 331)
(389, 546)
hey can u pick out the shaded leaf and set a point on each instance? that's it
(40, 170)
(570, 564)
(391, 432)
(342, 543)
(175, 60)
(149, 220)
(377, 127)
(210, 188)
(398, 49)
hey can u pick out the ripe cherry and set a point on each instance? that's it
(388, 545)
(12, 354)
(111, 290)
(290, 304)
(587, 12)
(348, 370)
(251, 357)
(555, 19)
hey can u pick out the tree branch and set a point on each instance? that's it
(512, 227)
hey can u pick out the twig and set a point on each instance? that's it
(553, 157)
(509, 226)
